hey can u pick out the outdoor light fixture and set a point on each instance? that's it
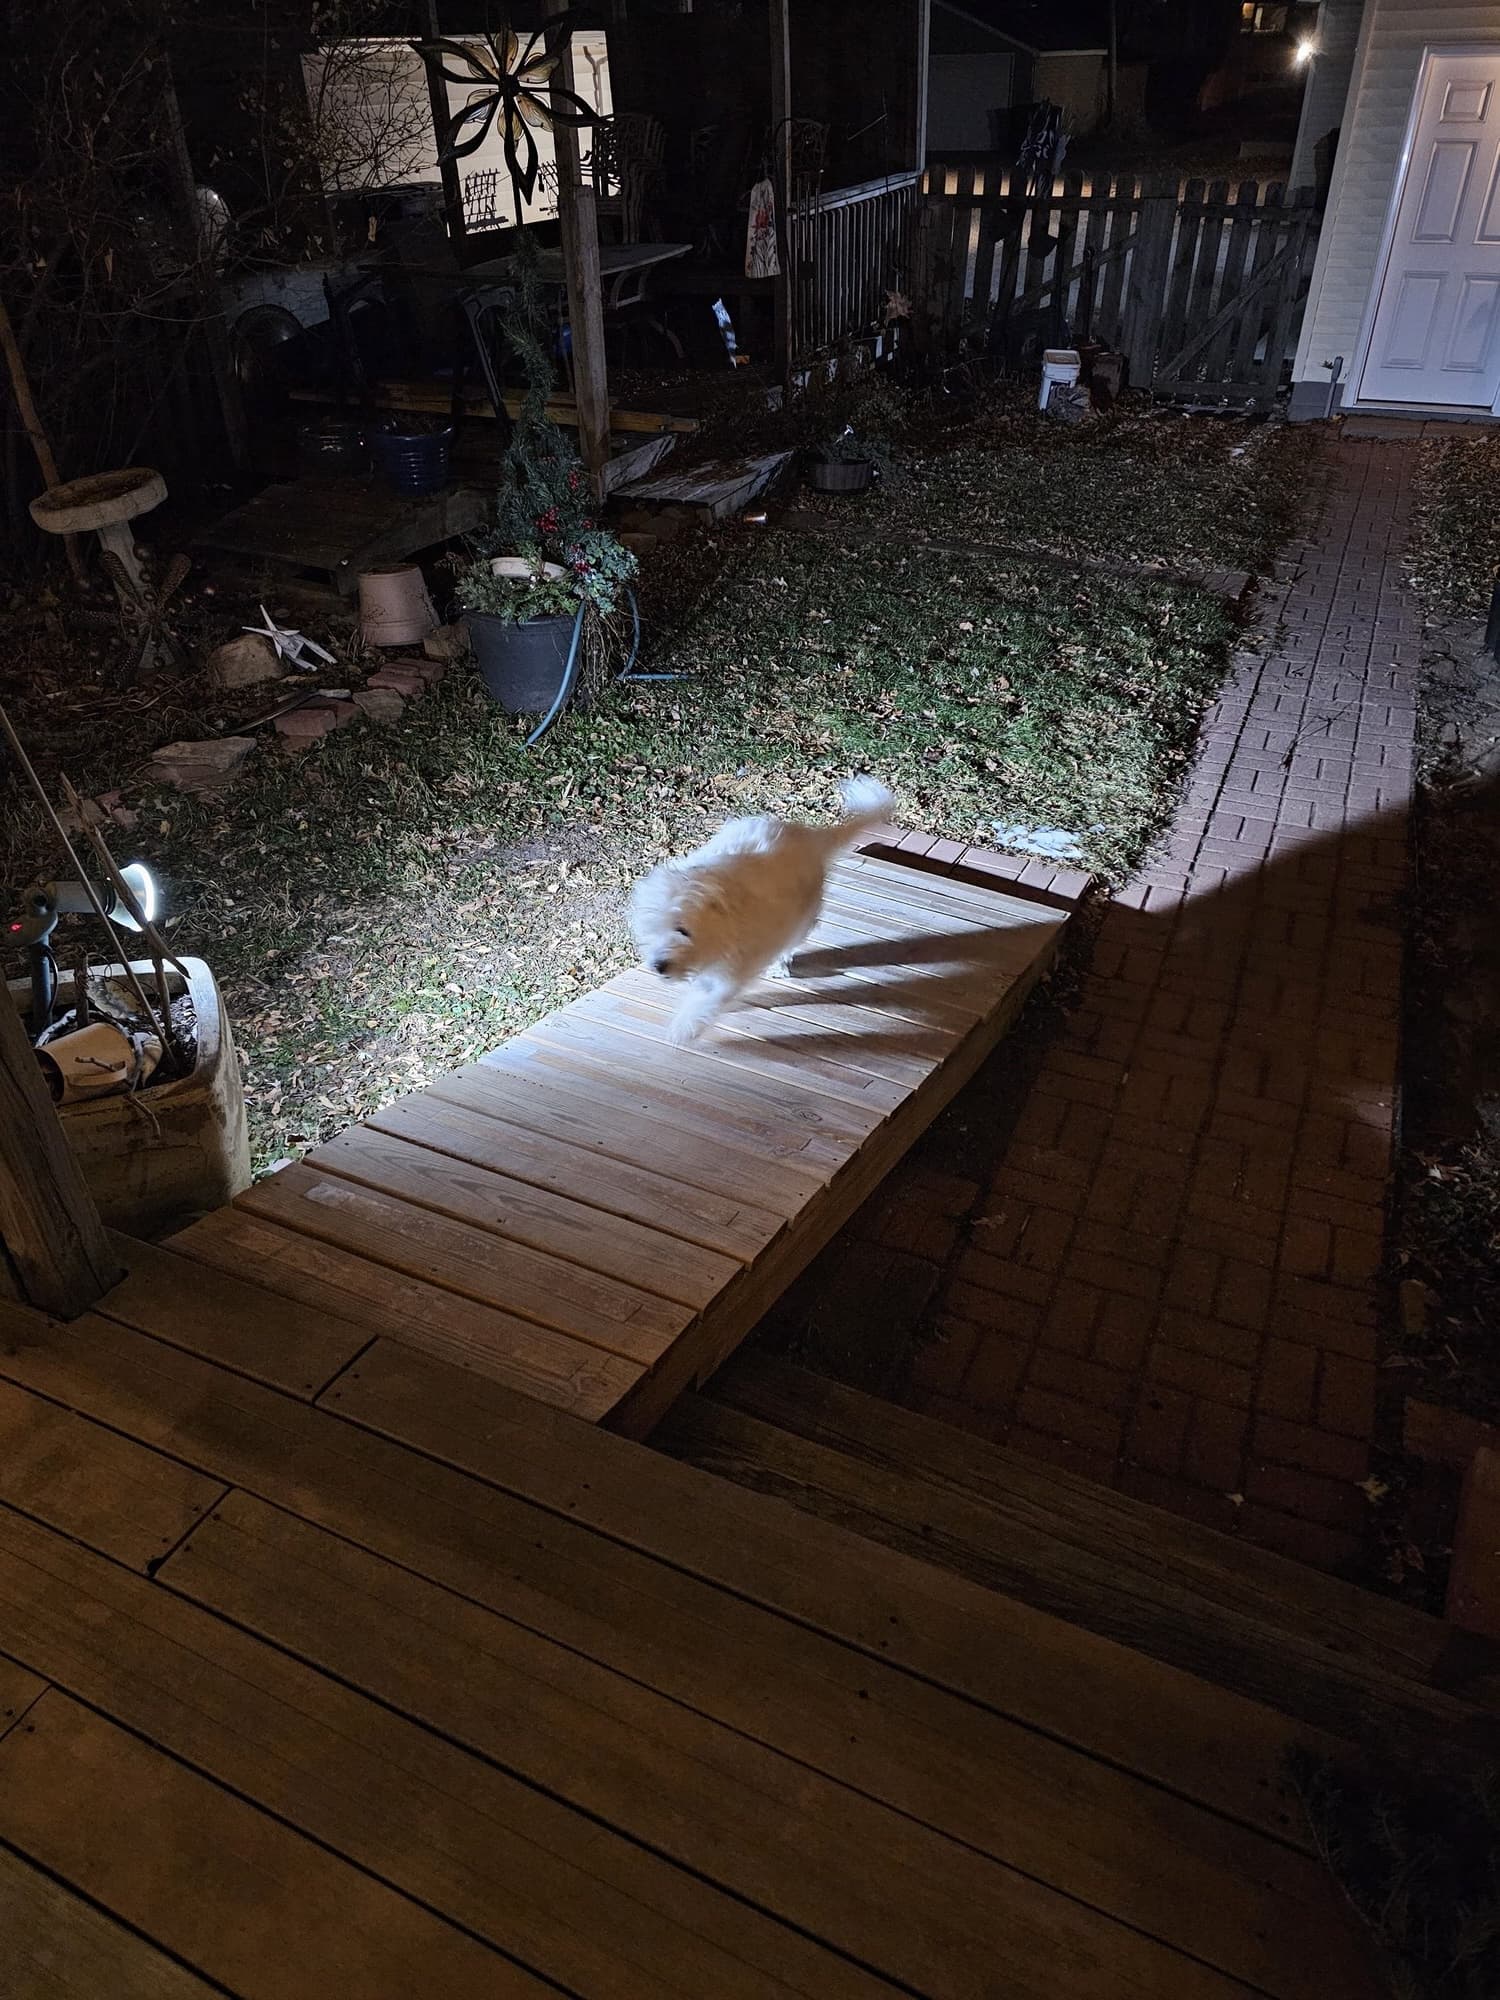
(47, 901)
(1304, 52)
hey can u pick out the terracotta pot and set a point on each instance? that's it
(394, 608)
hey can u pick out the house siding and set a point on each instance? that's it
(1393, 36)
(1327, 85)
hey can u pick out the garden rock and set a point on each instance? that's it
(403, 679)
(201, 767)
(244, 662)
(380, 704)
(448, 642)
(302, 726)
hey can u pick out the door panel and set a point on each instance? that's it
(1436, 336)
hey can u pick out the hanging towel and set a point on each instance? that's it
(761, 260)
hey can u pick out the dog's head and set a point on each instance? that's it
(677, 918)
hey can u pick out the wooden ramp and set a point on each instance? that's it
(425, 1689)
(598, 1218)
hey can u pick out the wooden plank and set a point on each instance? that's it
(734, 1229)
(627, 1008)
(133, 1503)
(620, 1247)
(56, 1947)
(1191, 1737)
(912, 882)
(551, 1103)
(801, 1147)
(716, 1336)
(565, 1374)
(1120, 222)
(51, 1237)
(1130, 1572)
(1300, 237)
(436, 399)
(1149, 268)
(1190, 222)
(224, 1319)
(1065, 1821)
(585, 1305)
(1201, 294)
(1474, 1580)
(839, 963)
(635, 463)
(930, 1911)
(860, 1038)
(458, 1834)
(1216, 357)
(18, 1690)
(241, 1898)
(893, 917)
(1241, 367)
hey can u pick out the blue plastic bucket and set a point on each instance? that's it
(413, 461)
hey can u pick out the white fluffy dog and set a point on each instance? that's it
(717, 918)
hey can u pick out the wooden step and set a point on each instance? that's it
(1323, 1651)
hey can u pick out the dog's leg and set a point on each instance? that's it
(702, 1004)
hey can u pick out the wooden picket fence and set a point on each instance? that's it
(1199, 284)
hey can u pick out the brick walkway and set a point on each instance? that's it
(1164, 1274)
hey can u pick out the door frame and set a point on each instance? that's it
(1431, 52)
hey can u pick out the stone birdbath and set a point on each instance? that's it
(107, 503)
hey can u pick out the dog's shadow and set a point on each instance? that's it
(945, 965)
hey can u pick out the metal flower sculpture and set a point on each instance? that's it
(511, 79)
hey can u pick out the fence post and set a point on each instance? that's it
(1147, 284)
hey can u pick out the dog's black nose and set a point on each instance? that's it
(661, 965)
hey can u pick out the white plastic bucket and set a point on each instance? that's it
(1059, 365)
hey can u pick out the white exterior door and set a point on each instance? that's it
(1435, 337)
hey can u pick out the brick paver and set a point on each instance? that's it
(1164, 1274)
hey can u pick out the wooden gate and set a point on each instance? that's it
(1199, 285)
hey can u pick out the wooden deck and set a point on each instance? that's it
(422, 1688)
(597, 1218)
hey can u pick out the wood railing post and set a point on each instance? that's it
(52, 1243)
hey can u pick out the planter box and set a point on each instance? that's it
(156, 1159)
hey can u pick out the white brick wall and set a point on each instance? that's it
(1392, 38)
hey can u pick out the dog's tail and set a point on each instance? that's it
(867, 805)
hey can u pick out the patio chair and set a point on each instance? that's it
(625, 160)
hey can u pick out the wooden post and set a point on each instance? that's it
(437, 99)
(580, 248)
(923, 68)
(205, 283)
(781, 178)
(50, 1233)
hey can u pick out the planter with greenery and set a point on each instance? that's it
(545, 566)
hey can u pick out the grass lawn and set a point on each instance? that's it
(399, 899)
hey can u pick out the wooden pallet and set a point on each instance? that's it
(598, 1218)
(415, 1686)
(334, 526)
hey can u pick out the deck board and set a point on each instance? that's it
(58, 1948)
(949, 1850)
(594, 1188)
